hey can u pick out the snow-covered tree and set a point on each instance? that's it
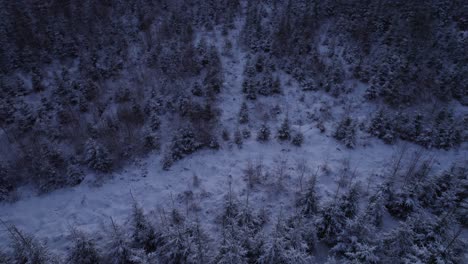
(27, 249)
(285, 245)
(263, 133)
(183, 143)
(238, 139)
(423, 238)
(118, 249)
(244, 114)
(97, 157)
(297, 139)
(144, 236)
(357, 242)
(83, 250)
(309, 200)
(346, 132)
(284, 132)
(231, 250)
(382, 127)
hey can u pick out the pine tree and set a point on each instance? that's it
(276, 87)
(333, 217)
(201, 249)
(309, 200)
(285, 246)
(238, 139)
(349, 202)
(97, 157)
(374, 211)
(244, 114)
(4, 258)
(144, 235)
(357, 242)
(284, 132)
(330, 223)
(176, 247)
(264, 133)
(6, 186)
(83, 250)
(346, 132)
(297, 139)
(118, 249)
(183, 144)
(231, 250)
(27, 249)
(423, 238)
(382, 127)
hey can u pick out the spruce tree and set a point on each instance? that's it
(244, 114)
(284, 132)
(346, 132)
(263, 134)
(83, 250)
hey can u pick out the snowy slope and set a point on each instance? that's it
(90, 206)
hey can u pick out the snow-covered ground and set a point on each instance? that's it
(89, 206)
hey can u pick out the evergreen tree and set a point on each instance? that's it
(346, 132)
(118, 249)
(244, 114)
(309, 200)
(27, 249)
(297, 139)
(284, 132)
(382, 127)
(284, 246)
(144, 235)
(83, 250)
(423, 239)
(97, 157)
(374, 211)
(231, 250)
(357, 242)
(201, 250)
(238, 139)
(263, 134)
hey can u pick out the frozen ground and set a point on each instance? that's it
(91, 205)
(88, 206)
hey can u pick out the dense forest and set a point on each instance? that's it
(88, 87)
